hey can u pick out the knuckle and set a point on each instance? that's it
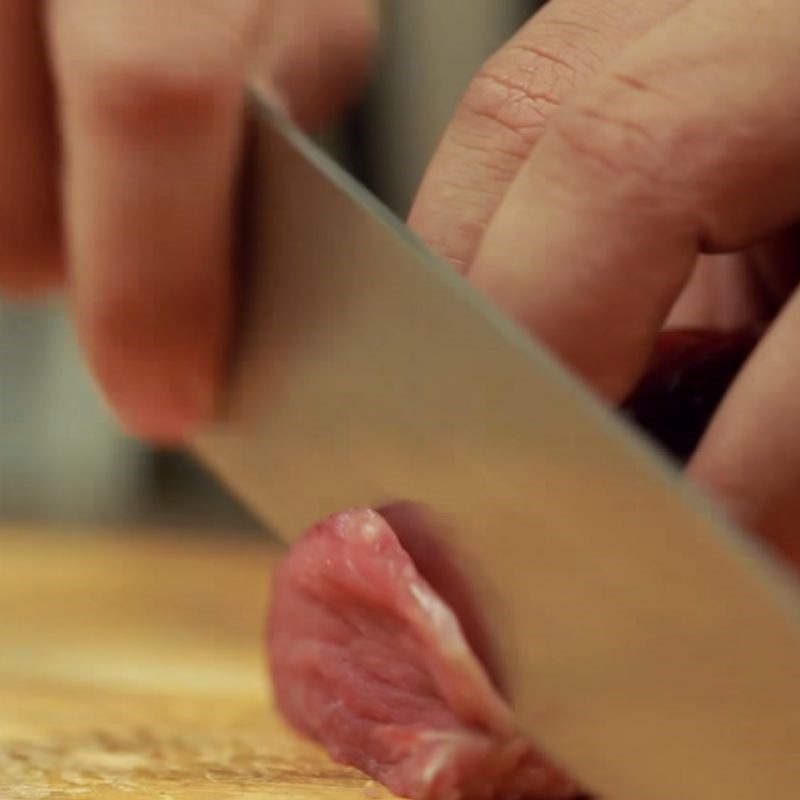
(621, 130)
(131, 100)
(521, 86)
(515, 93)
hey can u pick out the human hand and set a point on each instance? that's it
(119, 134)
(598, 166)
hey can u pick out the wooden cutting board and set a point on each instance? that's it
(131, 667)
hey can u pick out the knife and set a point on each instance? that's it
(649, 647)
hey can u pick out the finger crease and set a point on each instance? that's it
(541, 54)
(504, 109)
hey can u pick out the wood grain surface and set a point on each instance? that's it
(131, 667)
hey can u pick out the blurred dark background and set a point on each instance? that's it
(62, 459)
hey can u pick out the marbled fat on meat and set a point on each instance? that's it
(369, 661)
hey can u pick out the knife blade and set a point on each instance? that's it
(648, 646)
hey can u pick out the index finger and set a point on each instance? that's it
(150, 97)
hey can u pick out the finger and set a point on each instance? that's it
(314, 55)
(680, 145)
(727, 292)
(724, 293)
(151, 97)
(776, 263)
(506, 109)
(750, 456)
(29, 257)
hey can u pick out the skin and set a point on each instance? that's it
(619, 165)
(118, 153)
(635, 140)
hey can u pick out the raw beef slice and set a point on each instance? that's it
(369, 661)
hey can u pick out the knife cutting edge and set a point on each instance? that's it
(650, 648)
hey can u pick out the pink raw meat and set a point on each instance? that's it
(368, 660)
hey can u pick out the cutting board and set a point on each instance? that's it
(131, 666)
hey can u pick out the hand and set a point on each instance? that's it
(595, 163)
(118, 149)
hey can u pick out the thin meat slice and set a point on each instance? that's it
(369, 661)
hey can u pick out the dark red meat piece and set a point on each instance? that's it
(690, 372)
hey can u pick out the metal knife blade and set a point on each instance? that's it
(649, 647)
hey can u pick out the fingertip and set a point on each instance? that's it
(166, 409)
(163, 426)
(31, 272)
(158, 359)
